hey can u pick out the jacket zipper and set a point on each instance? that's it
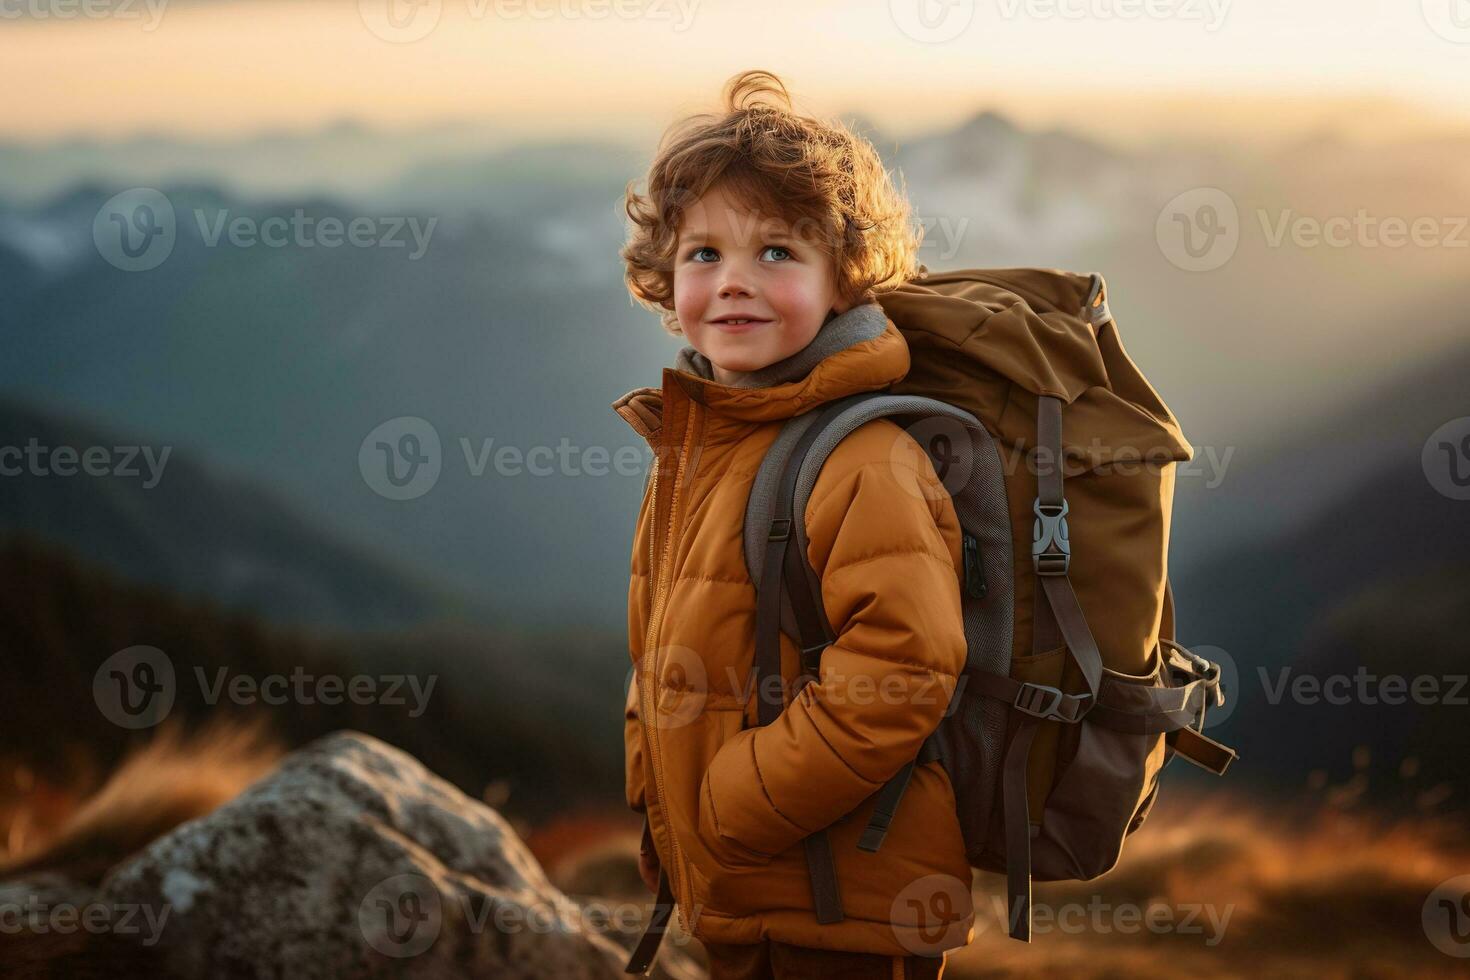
(648, 710)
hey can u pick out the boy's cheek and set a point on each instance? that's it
(690, 299)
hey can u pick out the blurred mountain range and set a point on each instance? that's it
(344, 155)
(512, 331)
(1345, 562)
(159, 518)
(281, 365)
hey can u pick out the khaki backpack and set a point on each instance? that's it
(1059, 457)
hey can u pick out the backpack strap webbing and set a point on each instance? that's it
(1177, 710)
(892, 792)
(828, 426)
(658, 922)
(785, 569)
(776, 507)
(1057, 619)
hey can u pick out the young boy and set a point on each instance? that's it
(762, 239)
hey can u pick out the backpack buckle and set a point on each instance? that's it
(1207, 671)
(1051, 551)
(1046, 703)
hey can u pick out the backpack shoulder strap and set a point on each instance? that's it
(789, 595)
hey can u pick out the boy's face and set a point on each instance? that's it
(731, 261)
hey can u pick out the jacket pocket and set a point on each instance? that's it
(725, 849)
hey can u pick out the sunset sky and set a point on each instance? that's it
(232, 67)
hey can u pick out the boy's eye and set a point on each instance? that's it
(699, 254)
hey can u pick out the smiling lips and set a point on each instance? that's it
(734, 324)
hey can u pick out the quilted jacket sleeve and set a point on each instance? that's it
(883, 535)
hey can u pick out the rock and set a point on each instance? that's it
(353, 860)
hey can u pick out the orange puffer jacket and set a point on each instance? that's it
(728, 803)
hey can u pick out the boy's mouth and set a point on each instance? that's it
(738, 324)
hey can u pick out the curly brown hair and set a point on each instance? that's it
(818, 176)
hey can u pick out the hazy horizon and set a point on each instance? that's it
(202, 70)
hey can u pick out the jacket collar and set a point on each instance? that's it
(857, 350)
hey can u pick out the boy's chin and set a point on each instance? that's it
(743, 366)
(741, 363)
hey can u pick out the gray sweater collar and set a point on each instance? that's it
(839, 333)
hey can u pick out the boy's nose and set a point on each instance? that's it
(733, 287)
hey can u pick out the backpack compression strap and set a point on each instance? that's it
(1057, 619)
